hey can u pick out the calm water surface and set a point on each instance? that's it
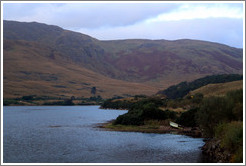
(68, 134)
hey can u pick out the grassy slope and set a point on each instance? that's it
(218, 89)
(30, 70)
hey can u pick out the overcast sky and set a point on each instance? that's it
(216, 22)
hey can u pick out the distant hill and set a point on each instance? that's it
(48, 60)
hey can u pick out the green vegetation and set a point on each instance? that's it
(45, 100)
(188, 118)
(216, 110)
(221, 118)
(7, 102)
(218, 117)
(144, 110)
(31, 97)
(150, 126)
(64, 102)
(183, 88)
(118, 102)
(231, 136)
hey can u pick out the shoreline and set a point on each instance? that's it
(162, 129)
(51, 105)
(211, 148)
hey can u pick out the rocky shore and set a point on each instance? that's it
(215, 152)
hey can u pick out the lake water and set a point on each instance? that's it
(68, 134)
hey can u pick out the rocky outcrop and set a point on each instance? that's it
(213, 150)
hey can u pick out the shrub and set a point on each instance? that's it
(197, 98)
(188, 118)
(215, 110)
(7, 102)
(210, 114)
(238, 111)
(64, 102)
(150, 111)
(231, 135)
(170, 114)
(130, 118)
(139, 113)
(120, 104)
(236, 97)
(28, 97)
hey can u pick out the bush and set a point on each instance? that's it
(129, 119)
(7, 102)
(150, 111)
(169, 114)
(231, 135)
(65, 102)
(120, 104)
(236, 97)
(188, 118)
(139, 113)
(197, 98)
(238, 111)
(31, 97)
(209, 114)
(215, 110)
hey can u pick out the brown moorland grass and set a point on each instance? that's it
(29, 71)
(219, 89)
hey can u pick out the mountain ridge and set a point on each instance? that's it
(155, 64)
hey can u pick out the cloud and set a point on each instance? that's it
(86, 15)
(197, 11)
(221, 30)
(217, 22)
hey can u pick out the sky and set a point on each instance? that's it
(211, 21)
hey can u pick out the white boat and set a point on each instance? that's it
(175, 125)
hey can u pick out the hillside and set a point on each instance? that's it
(219, 89)
(178, 97)
(37, 70)
(44, 59)
(182, 89)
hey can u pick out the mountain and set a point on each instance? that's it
(48, 60)
(33, 69)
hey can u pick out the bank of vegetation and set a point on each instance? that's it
(52, 101)
(219, 118)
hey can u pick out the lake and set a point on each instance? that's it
(69, 134)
